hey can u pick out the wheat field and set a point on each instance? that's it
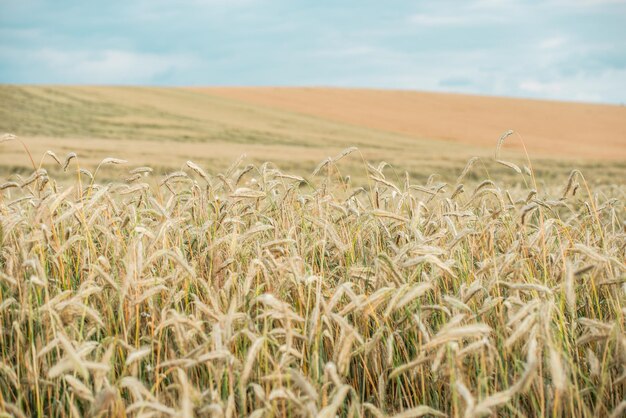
(421, 133)
(256, 292)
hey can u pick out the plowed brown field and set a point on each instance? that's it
(547, 127)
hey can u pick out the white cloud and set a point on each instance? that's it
(423, 19)
(389, 68)
(584, 4)
(109, 66)
(471, 13)
(553, 43)
(598, 2)
(146, 10)
(351, 51)
(533, 86)
(606, 86)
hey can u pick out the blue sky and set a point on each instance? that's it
(555, 49)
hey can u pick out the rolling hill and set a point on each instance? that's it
(296, 128)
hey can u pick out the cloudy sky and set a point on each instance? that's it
(556, 49)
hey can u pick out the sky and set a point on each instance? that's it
(550, 49)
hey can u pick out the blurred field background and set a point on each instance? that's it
(296, 128)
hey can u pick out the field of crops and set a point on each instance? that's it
(257, 292)
(421, 133)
